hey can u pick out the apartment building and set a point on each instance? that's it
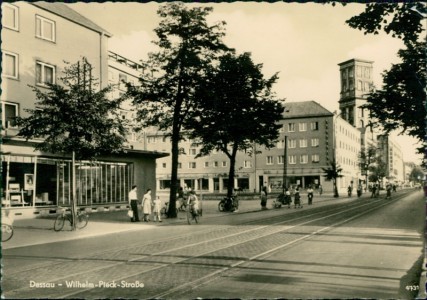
(36, 40)
(391, 154)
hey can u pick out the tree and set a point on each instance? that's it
(399, 105)
(237, 109)
(417, 174)
(332, 173)
(378, 171)
(366, 157)
(74, 117)
(166, 95)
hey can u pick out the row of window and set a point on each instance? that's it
(45, 73)
(303, 143)
(292, 159)
(45, 29)
(302, 126)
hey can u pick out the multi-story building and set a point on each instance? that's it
(36, 40)
(122, 70)
(312, 136)
(391, 154)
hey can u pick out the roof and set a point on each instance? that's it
(305, 109)
(354, 60)
(68, 13)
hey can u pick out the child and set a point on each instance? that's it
(156, 209)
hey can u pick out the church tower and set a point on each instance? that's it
(356, 83)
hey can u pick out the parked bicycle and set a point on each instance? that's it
(82, 218)
(6, 228)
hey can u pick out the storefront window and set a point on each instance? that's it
(35, 181)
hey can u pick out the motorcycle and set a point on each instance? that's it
(228, 204)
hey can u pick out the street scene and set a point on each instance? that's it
(185, 150)
(335, 248)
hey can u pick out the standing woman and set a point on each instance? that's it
(146, 205)
(264, 198)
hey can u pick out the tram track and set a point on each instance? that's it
(211, 245)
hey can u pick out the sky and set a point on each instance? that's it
(303, 42)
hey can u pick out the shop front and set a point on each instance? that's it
(36, 183)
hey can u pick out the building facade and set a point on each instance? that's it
(36, 40)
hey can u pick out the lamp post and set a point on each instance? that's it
(285, 164)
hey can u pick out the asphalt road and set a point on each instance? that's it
(366, 248)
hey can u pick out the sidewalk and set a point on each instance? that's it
(40, 231)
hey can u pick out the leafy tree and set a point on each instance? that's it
(399, 105)
(332, 173)
(166, 95)
(366, 158)
(75, 117)
(417, 174)
(378, 171)
(237, 109)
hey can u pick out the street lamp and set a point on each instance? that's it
(285, 163)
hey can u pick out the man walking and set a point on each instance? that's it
(133, 202)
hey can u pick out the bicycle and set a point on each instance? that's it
(82, 219)
(6, 232)
(6, 227)
(193, 215)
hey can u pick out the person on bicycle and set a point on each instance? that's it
(193, 202)
(181, 201)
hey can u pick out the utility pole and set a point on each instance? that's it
(285, 164)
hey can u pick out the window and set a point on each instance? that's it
(291, 127)
(45, 29)
(292, 159)
(151, 139)
(215, 164)
(10, 16)
(303, 159)
(314, 125)
(247, 164)
(9, 65)
(193, 151)
(315, 142)
(206, 164)
(280, 144)
(302, 126)
(9, 113)
(315, 158)
(280, 159)
(224, 163)
(303, 143)
(45, 73)
(192, 165)
(282, 128)
(164, 165)
(292, 144)
(269, 160)
(179, 165)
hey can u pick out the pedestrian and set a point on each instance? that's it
(156, 209)
(320, 190)
(297, 198)
(288, 197)
(359, 190)
(264, 198)
(310, 194)
(374, 191)
(146, 205)
(388, 189)
(133, 203)
(180, 198)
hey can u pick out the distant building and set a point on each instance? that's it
(391, 154)
(37, 38)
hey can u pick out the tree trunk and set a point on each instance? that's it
(336, 195)
(232, 172)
